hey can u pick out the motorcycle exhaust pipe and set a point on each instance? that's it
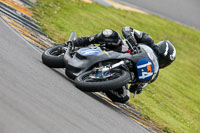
(67, 55)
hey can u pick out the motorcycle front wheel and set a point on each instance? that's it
(54, 57)
(118, 79)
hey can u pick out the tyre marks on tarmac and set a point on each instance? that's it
(11, 11)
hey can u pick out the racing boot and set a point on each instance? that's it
(136, 88)
(109, 37)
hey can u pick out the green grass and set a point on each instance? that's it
(173, 101)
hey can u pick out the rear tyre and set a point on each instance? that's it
(121, 95)
(54, 57)
(85, 83)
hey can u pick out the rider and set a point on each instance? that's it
(164, 50)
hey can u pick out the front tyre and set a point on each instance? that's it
(85, 82)
(54, 57)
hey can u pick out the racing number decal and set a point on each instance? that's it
(144, 69)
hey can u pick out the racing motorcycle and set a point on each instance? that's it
(97, 68)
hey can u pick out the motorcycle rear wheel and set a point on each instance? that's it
(53, 58)
(85, 83)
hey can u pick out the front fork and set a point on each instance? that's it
(105, 69)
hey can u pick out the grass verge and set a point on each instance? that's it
(173, 100)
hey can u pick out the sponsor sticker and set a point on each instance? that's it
(89, 51)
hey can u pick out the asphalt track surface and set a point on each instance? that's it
(183, 11)
(37, 99)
